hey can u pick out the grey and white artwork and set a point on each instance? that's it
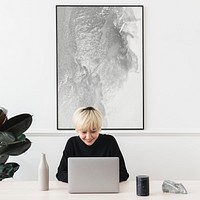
(100, 64)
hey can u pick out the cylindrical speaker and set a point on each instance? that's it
(142, 185)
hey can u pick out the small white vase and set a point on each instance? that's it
(43, 173)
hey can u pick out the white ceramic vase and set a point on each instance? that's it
(43, 173)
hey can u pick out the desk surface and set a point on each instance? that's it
(28, 190)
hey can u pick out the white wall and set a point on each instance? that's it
(168, 147)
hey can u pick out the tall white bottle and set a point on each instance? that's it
(43, 173)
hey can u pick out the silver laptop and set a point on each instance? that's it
(93, 174)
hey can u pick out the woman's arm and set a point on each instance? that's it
(62, 173)
(117, 152)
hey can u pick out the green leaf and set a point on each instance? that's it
(22, 137)
(18, 147)
(7, 170)
(6, 137)
(3, 158)
(3, 147)
(18, 124)
(3, 117)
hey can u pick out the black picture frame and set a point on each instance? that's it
(100, 63)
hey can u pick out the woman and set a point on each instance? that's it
(89, 142)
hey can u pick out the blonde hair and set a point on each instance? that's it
(87, 118)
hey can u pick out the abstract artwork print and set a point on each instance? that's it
(100, 63)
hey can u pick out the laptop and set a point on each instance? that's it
(93, 174)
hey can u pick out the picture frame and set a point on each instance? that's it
(100, 63)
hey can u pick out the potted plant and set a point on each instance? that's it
(12, 141)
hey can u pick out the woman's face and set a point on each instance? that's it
(89, 136)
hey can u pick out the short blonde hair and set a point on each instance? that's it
(87, 118)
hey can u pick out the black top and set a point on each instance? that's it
(104, 146)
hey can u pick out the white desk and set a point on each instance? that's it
(18, 190)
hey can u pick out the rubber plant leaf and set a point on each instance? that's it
(3, 158)
(7, 170)
(5, 139)
(3, 113)
(3, 148)
(17, 124)
(18, 147)
(21, 137)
